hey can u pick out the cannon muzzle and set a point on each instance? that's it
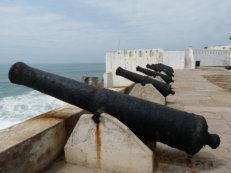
(154, 122)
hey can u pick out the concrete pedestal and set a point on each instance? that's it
(147, 92)
(159, 79)
(109, 145)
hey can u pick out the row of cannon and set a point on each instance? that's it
(164, 88)
(151, 121)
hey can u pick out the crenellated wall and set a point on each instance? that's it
(212, 57)
(219, 47)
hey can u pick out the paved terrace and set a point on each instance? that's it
(204, 91)
(207, 92)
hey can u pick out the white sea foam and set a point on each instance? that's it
(16, 109)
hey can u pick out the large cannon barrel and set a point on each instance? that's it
(151, 121)
(163, 88)
(164, 66)
(159, 69)
(167, 79)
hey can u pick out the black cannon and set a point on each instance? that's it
(170, 69)
(151, 121)
(167, 79)
(163, 88)
(159, 69)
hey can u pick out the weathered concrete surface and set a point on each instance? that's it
(118, 89)
(196, 94)
(34, 144)
(60, 166)
(123, 89)
(109, 145)
(221, 80)
(159, 79)
(147, 92)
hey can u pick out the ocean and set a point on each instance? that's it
(19, 103)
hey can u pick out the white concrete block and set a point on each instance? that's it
(108, 79)
(147, 92)
(109, 146)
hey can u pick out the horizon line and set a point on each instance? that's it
(54, 63)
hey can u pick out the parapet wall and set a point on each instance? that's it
(33, 145)
(212, 57)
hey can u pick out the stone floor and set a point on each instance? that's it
(196, 94)
(197, 91)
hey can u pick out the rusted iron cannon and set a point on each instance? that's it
(159, 69)
(170, 69)
(163, 88)
(167, 79)
(154, 122)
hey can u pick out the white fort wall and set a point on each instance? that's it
(130, 59)
(212, 57)
(175, 59)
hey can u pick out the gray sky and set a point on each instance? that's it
(77, 31)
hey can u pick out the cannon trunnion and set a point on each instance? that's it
(185, 131)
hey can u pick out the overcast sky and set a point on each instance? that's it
(78, 31)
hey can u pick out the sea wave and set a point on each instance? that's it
(16, 109)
